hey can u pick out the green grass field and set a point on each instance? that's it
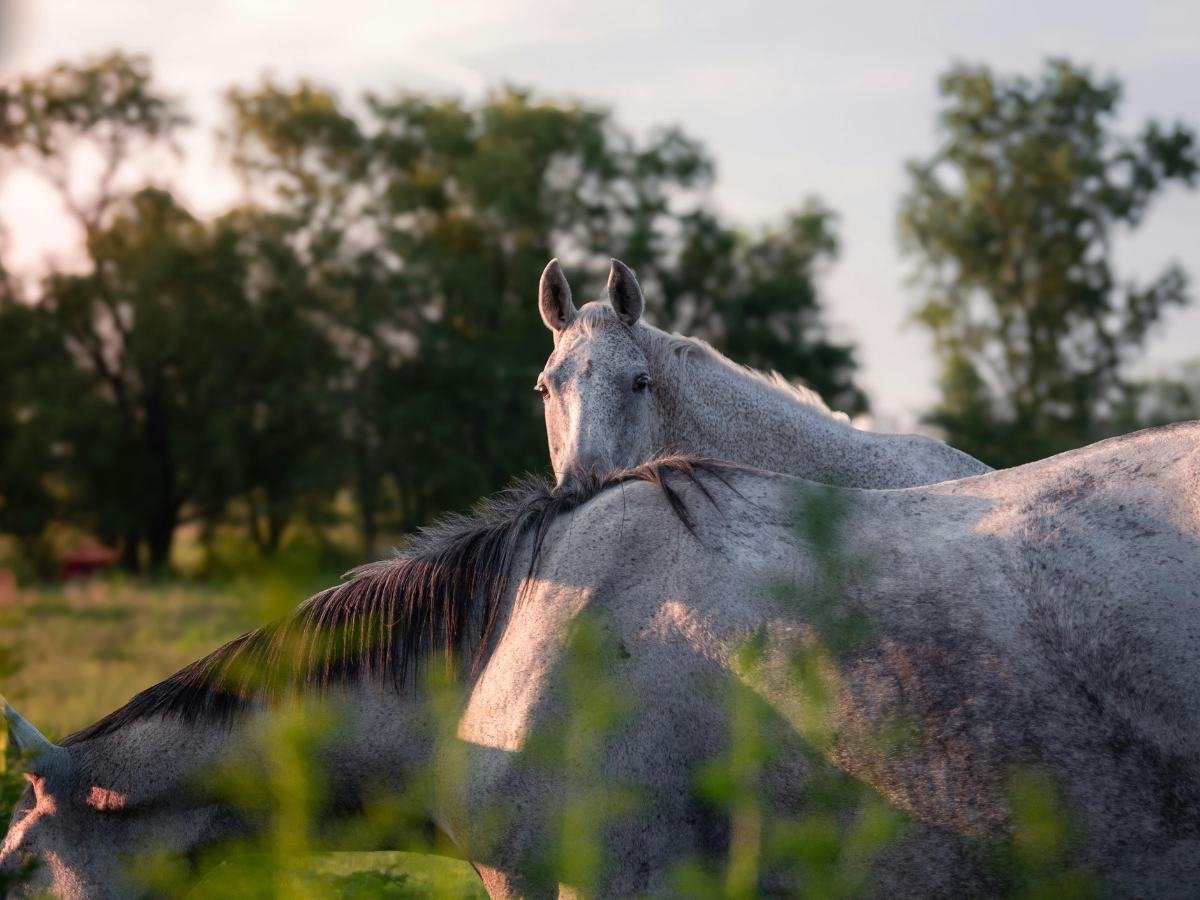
(70, 654)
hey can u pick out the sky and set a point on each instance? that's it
(791, 98)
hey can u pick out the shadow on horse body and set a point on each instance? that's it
(1044, 617)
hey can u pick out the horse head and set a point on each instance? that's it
(597, 385)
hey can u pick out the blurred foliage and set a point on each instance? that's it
(357, 338)
(1036, 862)
(1172, 397)
(1011, 224)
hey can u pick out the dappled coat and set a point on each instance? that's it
(924, 651)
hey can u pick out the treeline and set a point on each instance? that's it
(359, 336)
(1011, 226)
(357, 339)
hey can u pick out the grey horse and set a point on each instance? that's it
(617, 391)
(1045, 617)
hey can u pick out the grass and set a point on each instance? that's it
(353, 875)
(70, 654)
(76, 652)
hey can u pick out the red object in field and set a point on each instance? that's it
(86, 558)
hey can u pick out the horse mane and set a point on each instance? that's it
(682, 346)
(676, 348)
(441, 594)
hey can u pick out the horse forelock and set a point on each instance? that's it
(442, 594)
(595, 317)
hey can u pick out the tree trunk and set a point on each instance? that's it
(159, 536)
(164, 507)
(365, 489)
(276, 523)
(130, 556)
(254, 521)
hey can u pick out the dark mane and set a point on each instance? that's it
(442, 593)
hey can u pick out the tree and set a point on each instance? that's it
(198, 374)
(270, 432)
(1173, 397)
(428, 222)
(37, 385)
(754, 296)
(1011, 223)
(101, 117)
(129, 327)
(88, 123)
(476, 200)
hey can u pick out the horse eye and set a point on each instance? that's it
(641, 382)
(541, 388)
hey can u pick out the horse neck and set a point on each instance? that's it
(150, 758)
(368, 736)
(712, 407)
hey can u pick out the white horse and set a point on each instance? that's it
(1045, 617)
(619, 391)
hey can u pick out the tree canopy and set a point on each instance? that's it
(1011, 223)
(358, 336)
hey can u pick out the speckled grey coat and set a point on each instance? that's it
(1046, 616)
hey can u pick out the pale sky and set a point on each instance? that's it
(792, 98)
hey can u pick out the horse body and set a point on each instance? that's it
(618, 390)
(1044, 616)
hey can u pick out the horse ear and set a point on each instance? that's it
(554, 297)
(43, 757)
(624, 293)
